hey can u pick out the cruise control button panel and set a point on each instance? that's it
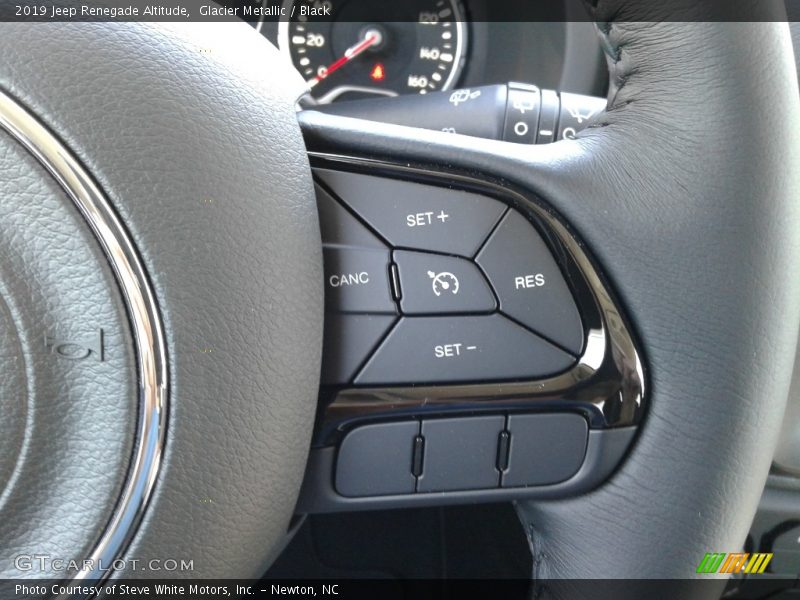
(431, 285)
(473, 351)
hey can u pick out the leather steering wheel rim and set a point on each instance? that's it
(198, 152)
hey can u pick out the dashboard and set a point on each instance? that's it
(367, 50)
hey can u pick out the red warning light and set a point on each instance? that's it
(377, 73)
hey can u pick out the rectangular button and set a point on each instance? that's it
(376, 460)
(460, 454)
(545, 449)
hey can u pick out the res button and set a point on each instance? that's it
(529, 284)
(417, 216)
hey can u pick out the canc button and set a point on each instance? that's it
(432, 283)
(357, 280)
(529, 283)
(417, 216)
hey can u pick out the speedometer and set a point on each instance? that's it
(355, 52)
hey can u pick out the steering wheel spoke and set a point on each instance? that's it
(692, 232)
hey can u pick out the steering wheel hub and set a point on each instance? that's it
(113, 268)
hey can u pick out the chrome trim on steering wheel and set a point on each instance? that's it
(146, 325)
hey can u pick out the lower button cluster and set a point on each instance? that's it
(461, 454)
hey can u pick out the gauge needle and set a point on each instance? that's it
(370, 39)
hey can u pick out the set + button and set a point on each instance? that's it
(418, 216)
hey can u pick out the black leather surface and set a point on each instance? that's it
(787, 455)
(686, 192)
(191, 132)
(66, 425)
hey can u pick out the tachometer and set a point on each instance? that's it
(355, 52)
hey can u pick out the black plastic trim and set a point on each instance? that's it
(605, 449)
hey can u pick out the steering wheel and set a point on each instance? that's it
(162, 287)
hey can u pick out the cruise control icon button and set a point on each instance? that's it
(461, 349)
(444, 282)
(417, 216)
(529, 284)
(436, 284)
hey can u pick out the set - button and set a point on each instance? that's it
(461, 349)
